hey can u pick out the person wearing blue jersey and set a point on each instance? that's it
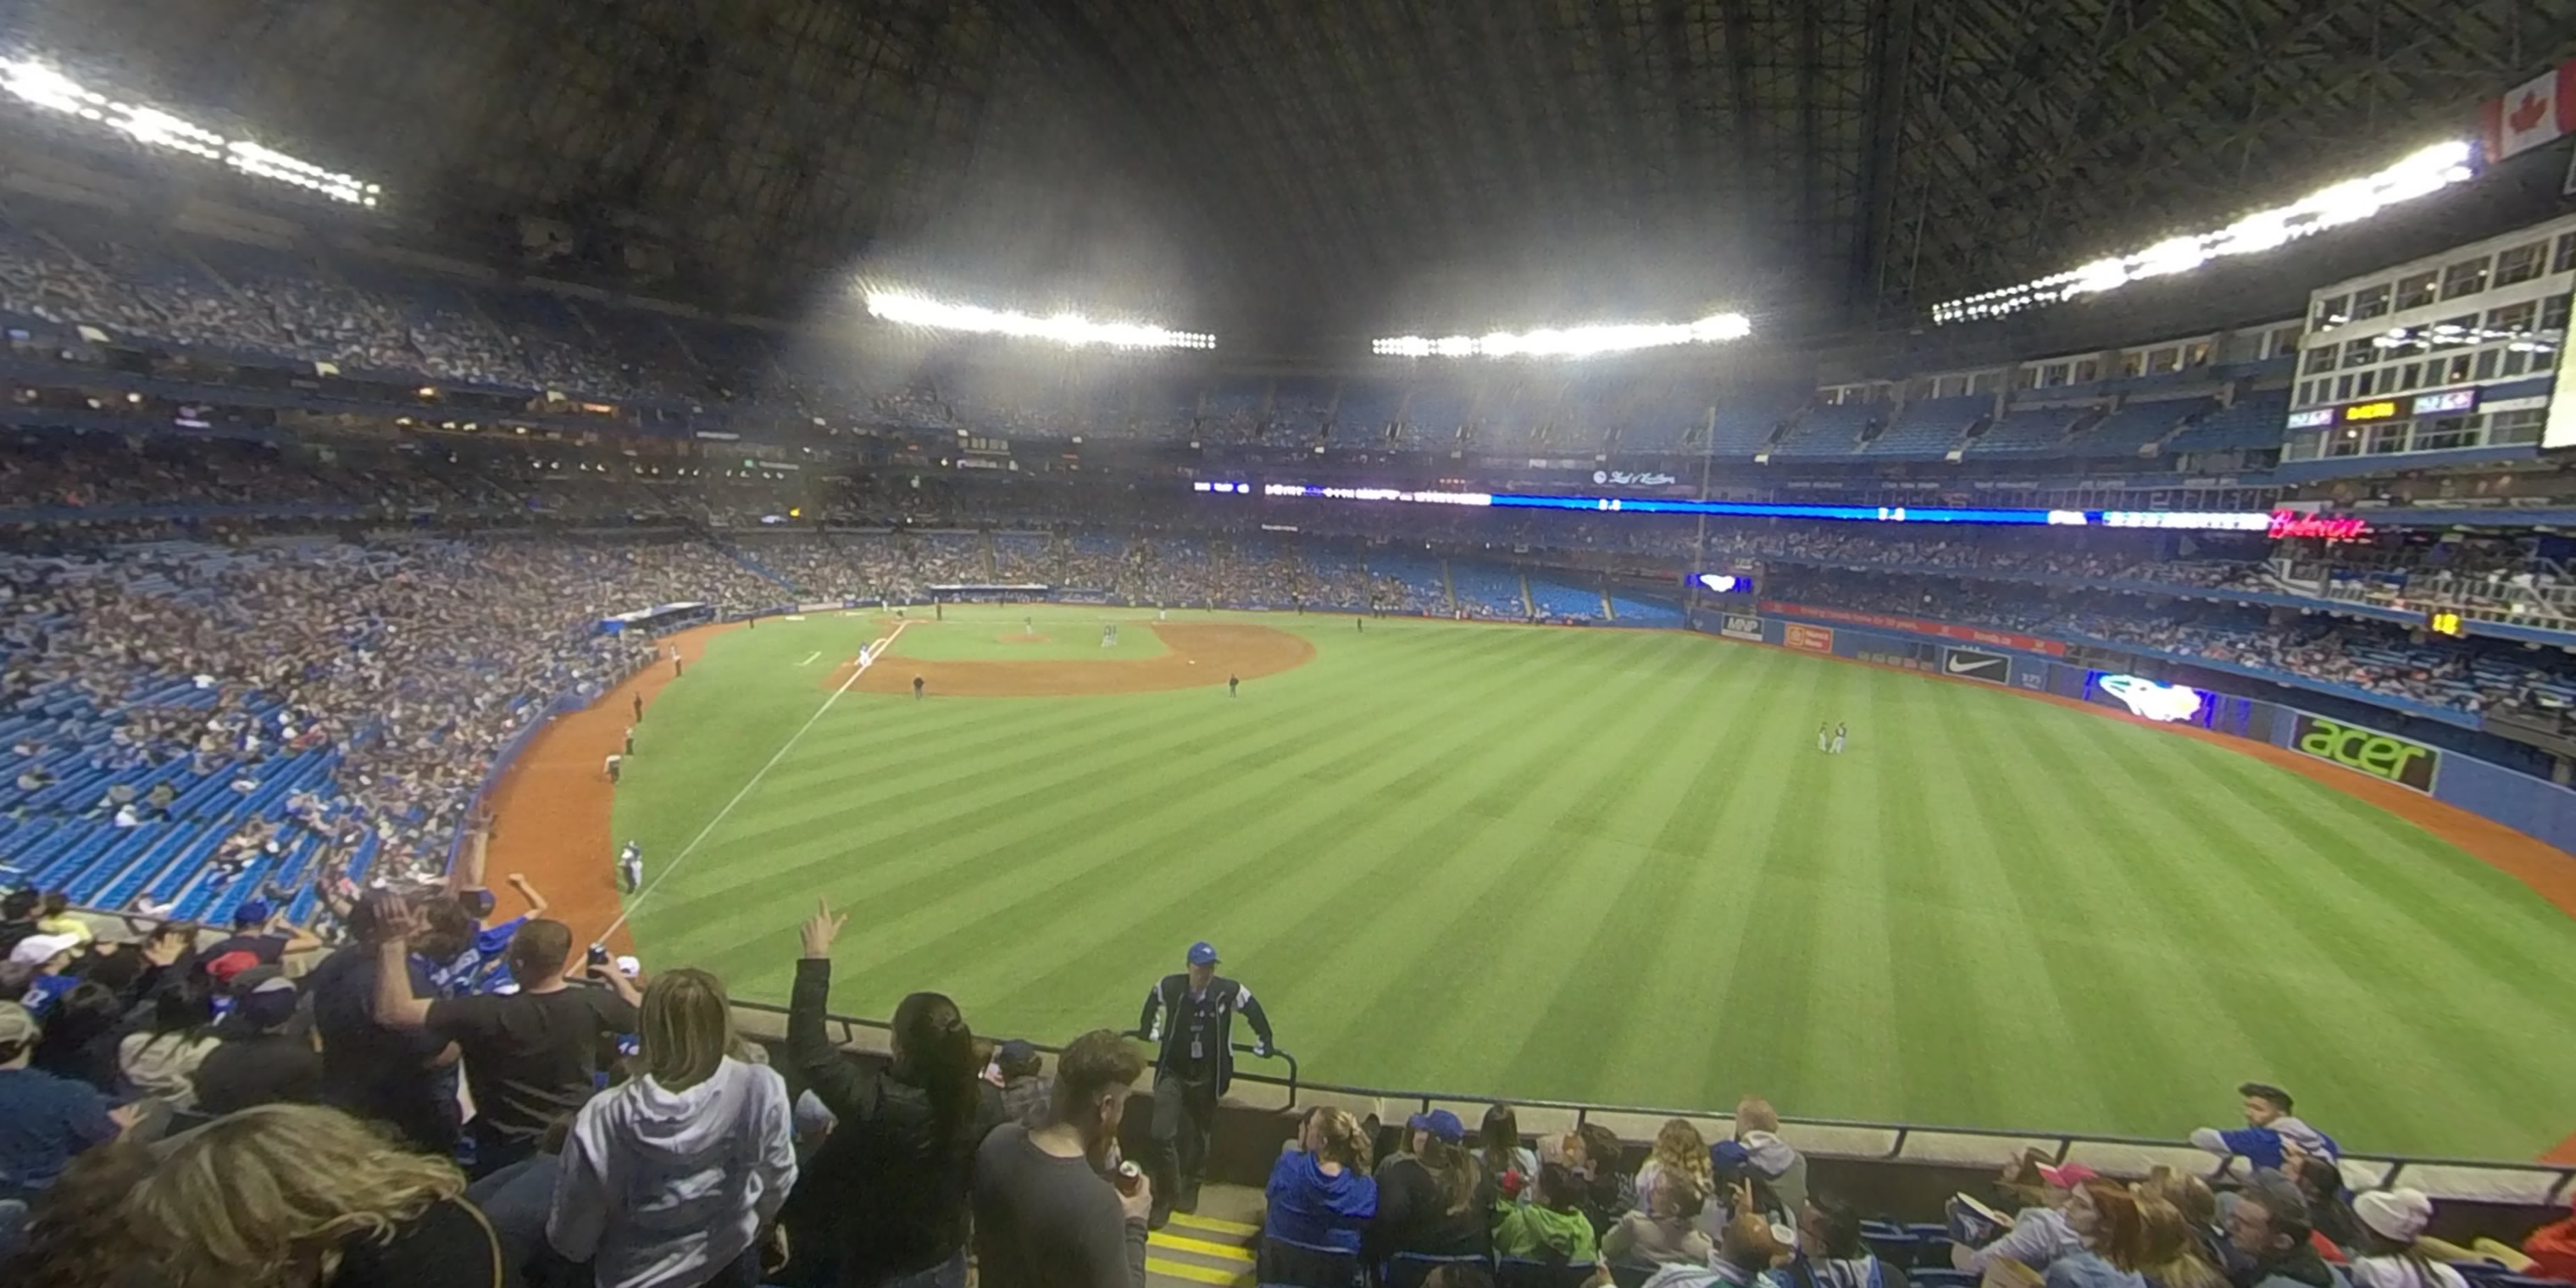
(2268, 1127)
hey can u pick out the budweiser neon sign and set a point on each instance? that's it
(2287, 524)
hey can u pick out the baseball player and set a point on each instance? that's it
(630, 867)
(1824, 738)
(1840, 733)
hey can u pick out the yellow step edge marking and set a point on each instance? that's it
(1201, 1274)
(1212, 1223)
(1183, 1243)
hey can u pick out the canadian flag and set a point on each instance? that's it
(2541, 110)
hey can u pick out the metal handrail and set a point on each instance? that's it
(2563, 1175)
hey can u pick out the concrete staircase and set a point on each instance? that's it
(1211, 1246)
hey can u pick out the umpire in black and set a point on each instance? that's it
(1190, 1016)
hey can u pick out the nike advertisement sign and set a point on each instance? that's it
(1972, 664)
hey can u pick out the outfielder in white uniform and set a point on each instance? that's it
(630, 867)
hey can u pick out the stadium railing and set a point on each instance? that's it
(1952, 1155)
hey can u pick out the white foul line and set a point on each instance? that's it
(867, 658)
(809, 658)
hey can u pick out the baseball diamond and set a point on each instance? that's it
(1444, 848)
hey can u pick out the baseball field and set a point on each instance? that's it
(1597, 864)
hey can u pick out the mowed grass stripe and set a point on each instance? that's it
(1515, 858)
(1288, 847)
(1185, 877)
(1628, 1049)
(2388, 986)
(1378, 939)
(945, 783)
(1021, 837)
(2240, 993)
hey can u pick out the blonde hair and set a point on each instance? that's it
(1753, 1113)
(2187, 1194)
(2170, 1254)
(1681, 1154)
(1338, 1137)
(684, 1029)
(268, 1196)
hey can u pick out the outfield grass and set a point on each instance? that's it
(1611, 865)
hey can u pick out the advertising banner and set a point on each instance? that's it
(2380, 755)
(1976, 664)
(1739, 626)
(1813, 639)
(1944, 630)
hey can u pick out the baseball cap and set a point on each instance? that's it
(18, 1025)
(1440, 1123)
(222, 969)
(36, 950)
(269, 1003)
(1019, 1055)
(2067, 1176)
(1202, 953)
(2398, 1215)
(251, 912)
(478, 903)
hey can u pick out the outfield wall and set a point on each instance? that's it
(2534, 807)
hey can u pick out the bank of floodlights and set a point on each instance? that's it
(2349, 202)
(38, 85)
(1061, 328)
(1567, 342)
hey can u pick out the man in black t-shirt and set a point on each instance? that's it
(530, 1056)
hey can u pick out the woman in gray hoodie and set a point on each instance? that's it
(670, 1180)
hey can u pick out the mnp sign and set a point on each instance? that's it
(1813, 639)
(2374, 753)
(1738, 626)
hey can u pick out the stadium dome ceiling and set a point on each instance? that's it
(1308, 170)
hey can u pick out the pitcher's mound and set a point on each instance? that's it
(1199, 656)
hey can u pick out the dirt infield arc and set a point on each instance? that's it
(1198, 656)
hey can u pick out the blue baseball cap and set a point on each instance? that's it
(251, 912)
(1202, 953)
(1440, 1123)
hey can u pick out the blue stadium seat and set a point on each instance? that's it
(1284, 1263)
(1522, 1272)
(1411, 1269)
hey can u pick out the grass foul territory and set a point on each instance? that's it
(1600, 864)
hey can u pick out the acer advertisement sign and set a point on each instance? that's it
(2408, 764)
(1972, 664)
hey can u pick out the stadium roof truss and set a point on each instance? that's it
(1346, 168)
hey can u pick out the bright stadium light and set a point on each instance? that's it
(34, 83)
(1567, 342)
(1062, 328)
(2349, 202)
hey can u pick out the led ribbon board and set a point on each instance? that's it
(2168, 520)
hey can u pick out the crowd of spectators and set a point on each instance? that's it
(445, 1103)
(2379, 657)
